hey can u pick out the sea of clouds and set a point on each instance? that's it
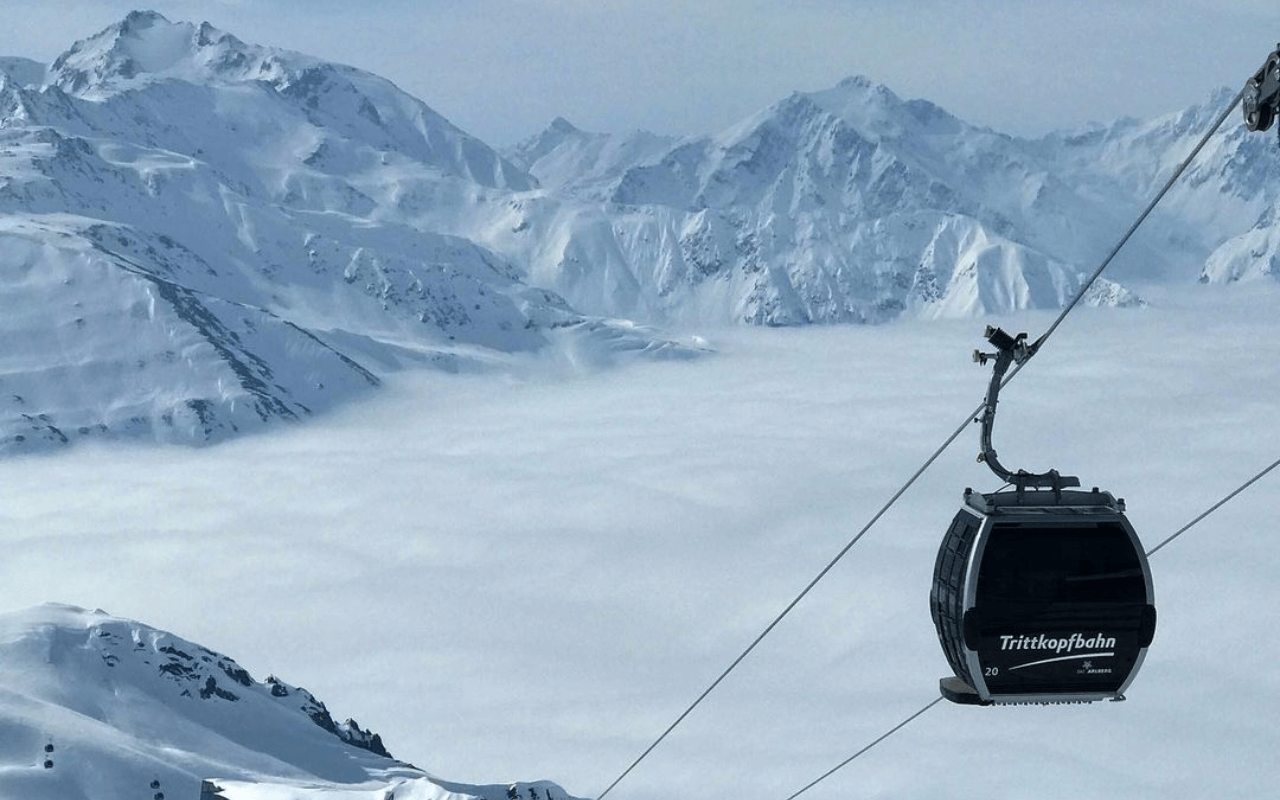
(529, 576)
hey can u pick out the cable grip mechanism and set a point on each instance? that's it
(1011, 350)
(1261, 99)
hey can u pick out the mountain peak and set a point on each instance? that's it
(358, 109)
(146, 43)
(143, 19)
(876, 110)
(562, 125)
(869, 108)
(862, 86)
(857, 82)
(857, 91)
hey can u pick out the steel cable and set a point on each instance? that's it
(882, 737)
(1215, 507)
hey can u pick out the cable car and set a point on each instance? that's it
(1041, 592)
(1045, 598)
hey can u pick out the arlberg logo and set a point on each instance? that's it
(1075, 641)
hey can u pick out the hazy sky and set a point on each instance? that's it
(502, 69)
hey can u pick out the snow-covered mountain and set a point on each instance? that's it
(200, 236)
(576, 162)
(352, 114)
(1230, 186)
(849, 204)
(95, 706)
(854, 204)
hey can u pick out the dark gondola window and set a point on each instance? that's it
(1026, 563)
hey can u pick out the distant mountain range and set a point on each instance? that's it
(852, 204)
(93, 706)
(200, 236)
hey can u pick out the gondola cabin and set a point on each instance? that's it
(1041, 597)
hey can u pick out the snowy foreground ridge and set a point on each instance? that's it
(200, 236)
(94, 706)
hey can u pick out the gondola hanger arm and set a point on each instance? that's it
(1011, 350)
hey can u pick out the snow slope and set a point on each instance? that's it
(96, 706)
(208, 231)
